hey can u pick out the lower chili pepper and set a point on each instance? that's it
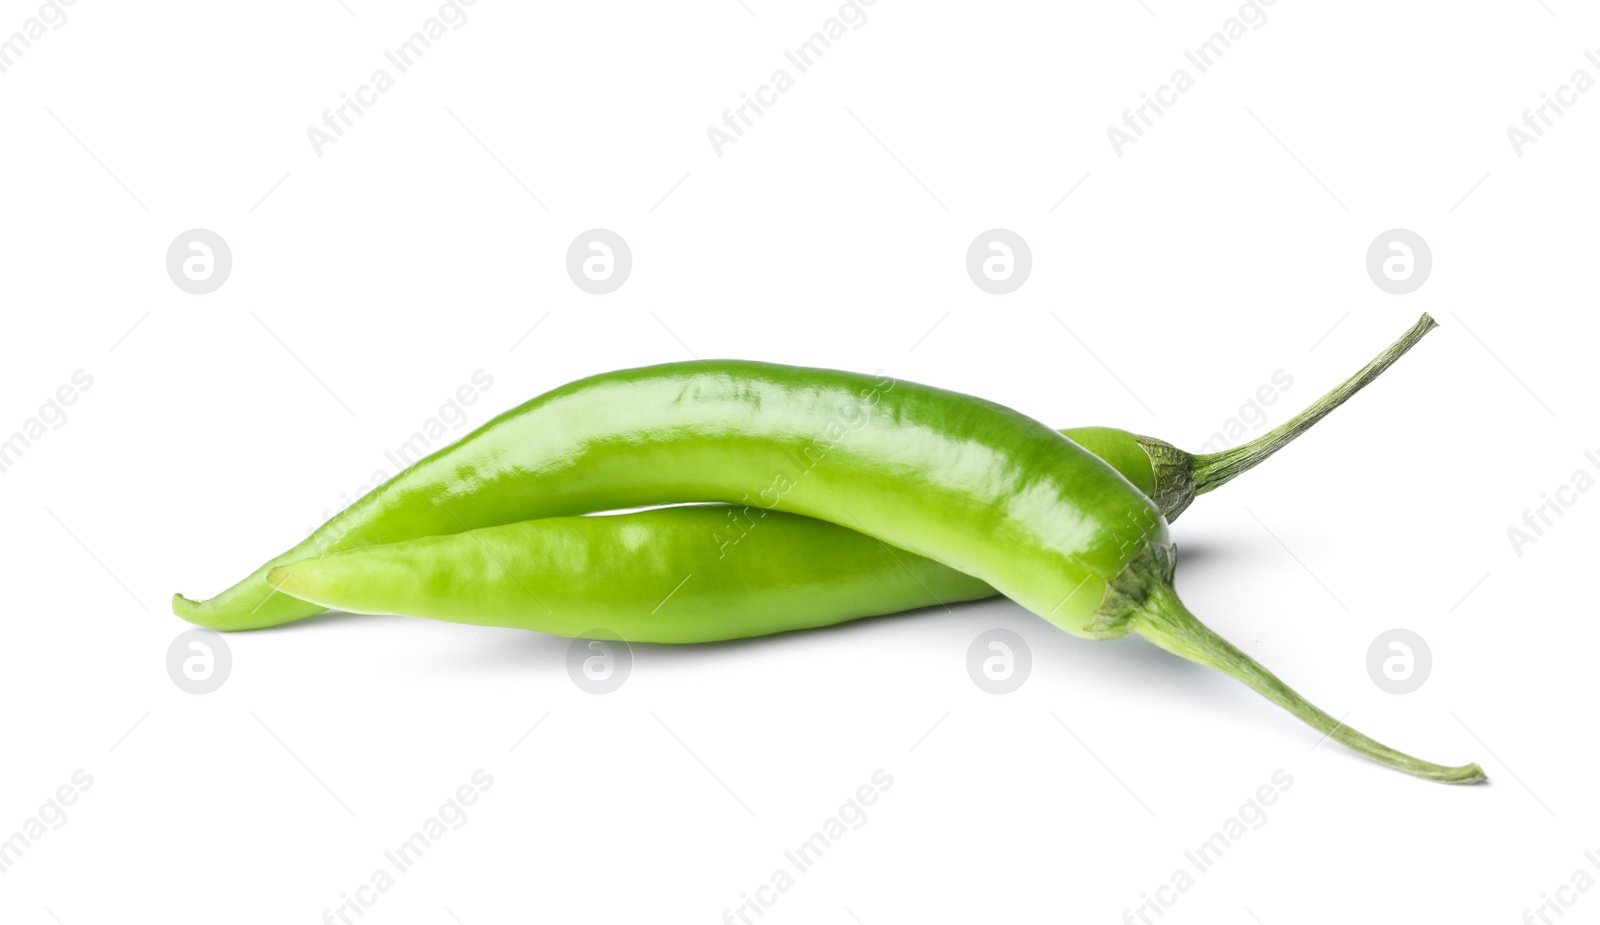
(670, 575)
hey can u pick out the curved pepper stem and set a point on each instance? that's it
(1213, 470)
(1162, 619)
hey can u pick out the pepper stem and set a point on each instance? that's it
(1162, 619)
(1213, 470)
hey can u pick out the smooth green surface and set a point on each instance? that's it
(699, 573)
(739, 570)
(971, 484)
(1121, 450)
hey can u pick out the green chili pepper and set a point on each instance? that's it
(665, 575)
(969, 483)
(708, 573)
(410, 505)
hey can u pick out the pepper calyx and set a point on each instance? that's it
(1174, 473)
(1128, 590)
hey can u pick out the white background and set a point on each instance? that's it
(373, 280)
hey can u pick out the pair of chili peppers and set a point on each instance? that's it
(860, 495)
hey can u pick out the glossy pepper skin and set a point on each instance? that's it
(756, 571)
(697, 573)
(807, 563)
(972, 484)
(682, 574)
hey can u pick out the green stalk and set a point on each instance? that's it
(1213, 470)
(1161, 618)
